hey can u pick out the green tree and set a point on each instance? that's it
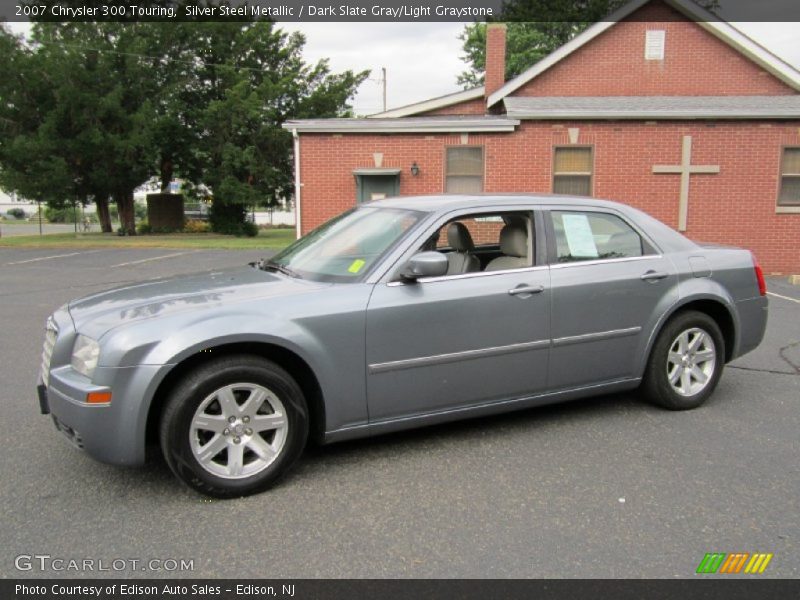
(254, 78)
(34, 160)
(535, 29)
(90, 111)
(76, 121)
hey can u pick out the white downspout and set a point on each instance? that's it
(296, 181)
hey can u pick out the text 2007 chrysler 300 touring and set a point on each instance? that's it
(397, 314)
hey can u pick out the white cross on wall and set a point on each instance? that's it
(685, 169)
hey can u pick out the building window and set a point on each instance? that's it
(572, 171)
(464, 170)
(790, 178)
(654, 44)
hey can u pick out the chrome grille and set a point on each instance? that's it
(50, 335)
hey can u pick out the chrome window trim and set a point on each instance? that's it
(468, 275)
(603, 261)
(438, 359)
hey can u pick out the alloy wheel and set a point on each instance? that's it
(691, 361)
(238, 430)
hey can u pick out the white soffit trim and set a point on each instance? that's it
(720, 29)
(411, 125)
(431, 104)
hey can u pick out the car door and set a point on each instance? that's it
(607, 281)
(457, 341)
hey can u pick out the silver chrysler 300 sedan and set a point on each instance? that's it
(397, 314)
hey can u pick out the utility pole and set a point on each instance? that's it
(383, 82)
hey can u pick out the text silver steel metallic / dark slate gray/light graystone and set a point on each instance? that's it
(391, 355)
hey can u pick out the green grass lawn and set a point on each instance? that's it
(273, 239)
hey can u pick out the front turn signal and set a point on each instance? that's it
(98, 398)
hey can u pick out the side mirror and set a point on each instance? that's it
(425, 264)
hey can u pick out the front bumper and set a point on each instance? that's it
(112, 433)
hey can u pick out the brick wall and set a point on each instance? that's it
(736, 206)
(695, 63)
(495, 69)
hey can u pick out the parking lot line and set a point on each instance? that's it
(30, 260)
(144, 260)
(784, 297)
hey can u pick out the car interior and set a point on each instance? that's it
(492, 242)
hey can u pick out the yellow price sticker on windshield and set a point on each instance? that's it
(356, 265)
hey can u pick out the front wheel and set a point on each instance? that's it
(686, 362)
(234, 426)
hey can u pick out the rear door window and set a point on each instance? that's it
(588, 235)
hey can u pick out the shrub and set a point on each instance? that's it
(60, 215)
(249, 229)
(229, 219)
(196, 226)
(145, 228)
(16, 212)
(276, 226)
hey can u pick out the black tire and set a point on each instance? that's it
(656, 384)
(182, 440)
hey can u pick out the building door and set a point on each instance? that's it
(377, 187)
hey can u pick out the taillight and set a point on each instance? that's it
(762, 284)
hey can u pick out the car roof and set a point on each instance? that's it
(438, 202)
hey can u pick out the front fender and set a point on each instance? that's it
(332, 345)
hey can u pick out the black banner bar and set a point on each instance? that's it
(711, 588)
(372, 10)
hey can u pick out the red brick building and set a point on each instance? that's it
(662, 108)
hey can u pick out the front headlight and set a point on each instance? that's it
(85, 354)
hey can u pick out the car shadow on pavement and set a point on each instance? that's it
(318, 462)
(529, 421)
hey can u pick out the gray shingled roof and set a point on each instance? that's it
(654, 107)
(404, 125)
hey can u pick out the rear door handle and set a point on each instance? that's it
(654, 276)
(526, 290)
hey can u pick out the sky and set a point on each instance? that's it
(422, 60)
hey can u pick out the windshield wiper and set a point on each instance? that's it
(273, 266)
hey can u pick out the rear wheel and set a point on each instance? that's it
(234, 426)
(686, 362)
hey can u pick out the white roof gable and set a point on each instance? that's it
(431, 104)
(722, 30)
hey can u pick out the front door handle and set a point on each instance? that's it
(654, 276)
(528, 290)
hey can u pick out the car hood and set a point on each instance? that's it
(98, 313)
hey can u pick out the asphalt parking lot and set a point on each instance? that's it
(609, 487)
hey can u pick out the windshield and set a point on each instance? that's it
(346, 247)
